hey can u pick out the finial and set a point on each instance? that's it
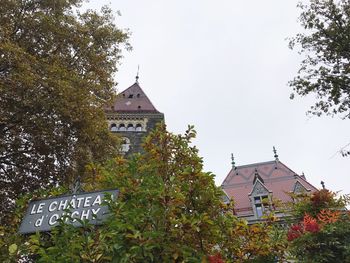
(137, 75)
(257, 176)
(233, 161)
(76, 187)
(275, 153)
(323, 186)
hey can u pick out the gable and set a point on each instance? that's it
(299, 188)
(259, 189)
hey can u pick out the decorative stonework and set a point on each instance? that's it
(139, 125)
(299, 188)
(259, 189)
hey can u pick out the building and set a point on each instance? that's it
(254, 187)
(133, 116)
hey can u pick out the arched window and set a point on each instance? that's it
(114, 127)
(125, 145)
(138, 127)
(130, 127)
(122, 127)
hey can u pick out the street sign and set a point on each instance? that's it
(43, 215)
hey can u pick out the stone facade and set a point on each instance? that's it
(133, 138)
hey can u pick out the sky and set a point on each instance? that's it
(224, 66)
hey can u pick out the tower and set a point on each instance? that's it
(133, 116)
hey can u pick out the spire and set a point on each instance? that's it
(323, 185)
(257, 176)
(275, 153)
(137, 75)
(233, 162)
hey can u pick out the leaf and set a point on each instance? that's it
(12, 249)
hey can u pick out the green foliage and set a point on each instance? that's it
(168, 210)
(13, 246)
(260, 242)
(56, 75)
(313, 204)
(325, 71)
(330, 244)
(321, 232)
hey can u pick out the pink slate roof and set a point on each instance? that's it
(133, 99)
(277, 178)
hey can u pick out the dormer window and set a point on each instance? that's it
(259, 196)
(299, 188)
(299, 191)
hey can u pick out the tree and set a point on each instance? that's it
(167, 210)
(325, 71)
(321, 231)
(56, 75)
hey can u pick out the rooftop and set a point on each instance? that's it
(132, 100)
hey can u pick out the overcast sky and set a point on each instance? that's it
(224, 66)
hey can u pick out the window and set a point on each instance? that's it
(131, 127)
(138, 95)
(131, 96)
(260, 204)
(138, 127)
(114, 127)
(122, 127)
(125, 145)
(259, 210)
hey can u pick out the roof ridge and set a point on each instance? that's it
(255, 164)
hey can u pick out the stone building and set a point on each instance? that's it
(132, 116)
(254, 187)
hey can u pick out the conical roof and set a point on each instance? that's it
(133, 99)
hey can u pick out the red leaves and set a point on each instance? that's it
(328, 216)
(310, 224)
(216, 259)
(294, 232)
(321, 198)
